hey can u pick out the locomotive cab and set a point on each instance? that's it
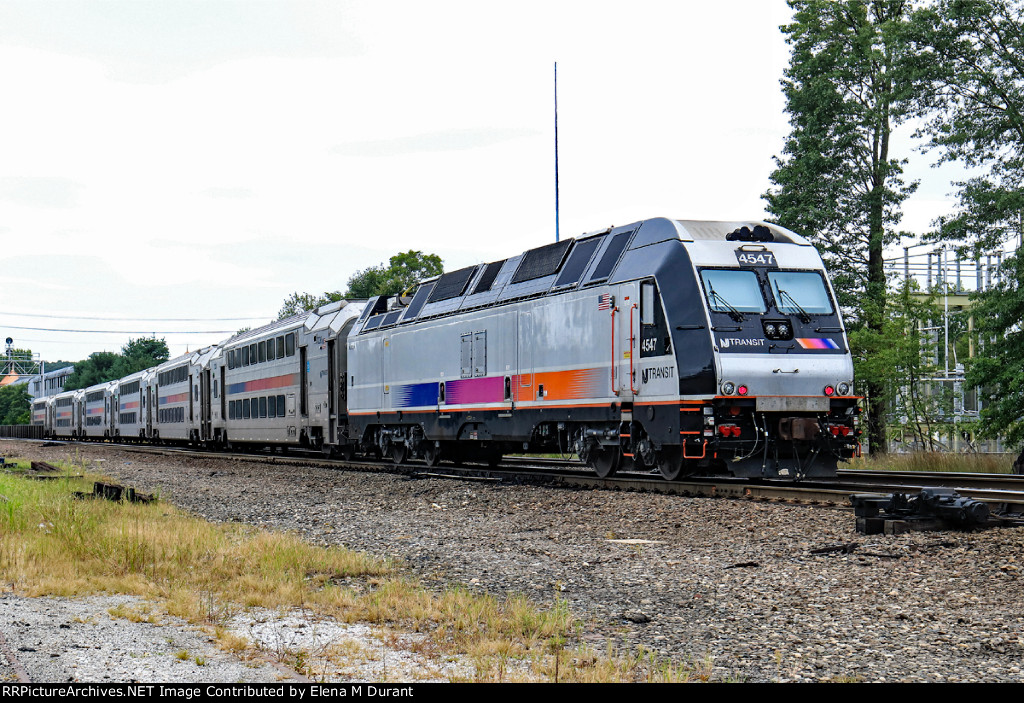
(781, 403)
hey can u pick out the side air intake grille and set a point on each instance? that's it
(487, 280)
(611, 256)
(451, 285)
(542, 261)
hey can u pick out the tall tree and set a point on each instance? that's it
(837, 181)
(969, 54)
(999, 369)
(972, 61)
(142, 353)
(301, 302)
(100, 367)
(403, 271)
(14, 405)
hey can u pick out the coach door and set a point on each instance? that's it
(625, 340)
(303, 385)
(147, 402)
(223, 393)
(332, 381)
(204, 405)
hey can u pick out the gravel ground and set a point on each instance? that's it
(59, 639)
(740, 583)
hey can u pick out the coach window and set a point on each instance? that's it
(289, 344)
(280, 406)
(245, 356)
(263, 406)
(280, 347)
(253, 354)
(263, 351)
(245, 408)
(271, 349)
(271, 407)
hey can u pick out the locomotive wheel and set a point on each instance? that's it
(432, 454)
(398, 453)
(671, 463)
(605, 462)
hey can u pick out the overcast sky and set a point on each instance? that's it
(200, 161)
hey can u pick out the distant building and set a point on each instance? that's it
(13, 379)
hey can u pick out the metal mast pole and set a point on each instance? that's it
(556, 151)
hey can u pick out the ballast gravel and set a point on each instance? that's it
(760, 591)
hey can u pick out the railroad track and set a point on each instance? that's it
(1003, 493)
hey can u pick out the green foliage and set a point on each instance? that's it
(146, 349)
(301, 302)
(913, 363)
(402, 273)
(1000, 368)
(14, 405)
(969, 55)
(837, 182)
(100, 367)
(846, 91)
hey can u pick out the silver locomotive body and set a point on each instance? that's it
(619, 347)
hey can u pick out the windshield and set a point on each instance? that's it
(731, 290)
(800, 292)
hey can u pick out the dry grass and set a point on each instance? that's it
(937, 461)
(54, 544)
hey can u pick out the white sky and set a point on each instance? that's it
(205, 159)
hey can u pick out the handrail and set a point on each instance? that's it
(632, 341)
(614, 310)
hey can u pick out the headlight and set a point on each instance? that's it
(728, 388)
(843, 388)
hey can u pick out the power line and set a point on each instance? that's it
(143, 332)
(137, 319)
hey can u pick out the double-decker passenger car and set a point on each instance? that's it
(98, 411)
(134, 402)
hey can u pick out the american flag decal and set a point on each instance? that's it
(604, 301)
